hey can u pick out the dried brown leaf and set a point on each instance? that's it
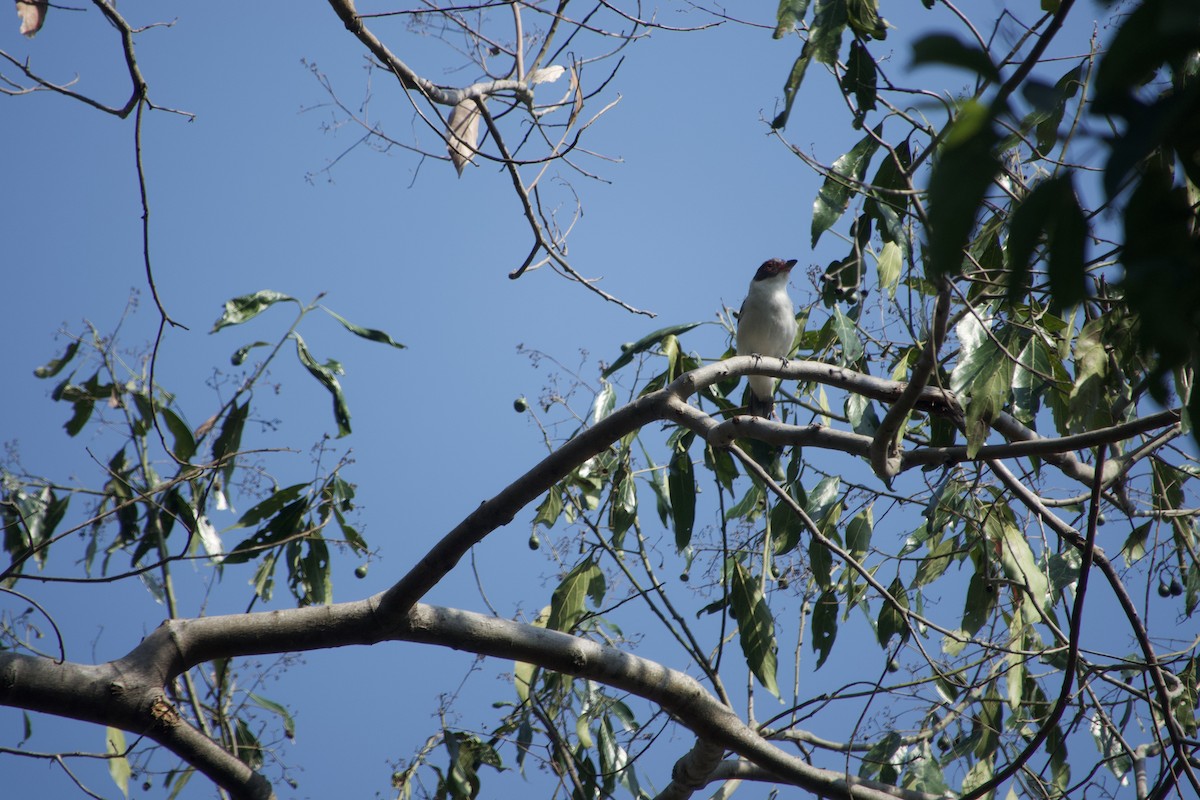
(545, 75)
(32, 14)
(463, 134)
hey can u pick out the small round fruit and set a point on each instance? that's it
(1176, 587)
(893, 665)
(534, 541)
(520, 405)
(360, 571)
(1163, 589)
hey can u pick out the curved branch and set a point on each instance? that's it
(885, 446)
(408, 78)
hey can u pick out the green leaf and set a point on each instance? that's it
(892, 621)
(55, 366)
(367, 333)
(289, 724)
(864, 19)
(789, 14)
(979, 774)
(888, 200)
(964, 169)
(270, 506)
(567, 603)
(844, 179)
(847, 334)
(118, 765)
(786, 528)
(756, 628)
(889, 264)
(324, 374)
(945, 48)
(881, 754)
(230, 438)
(239, 356)
(1029, 383)
(1067, 230)
(550, 509)
(623, 509)
(820, 562)
(980, 601)
(628, 351)
(185, 446)
(681, 482)
(1135, 545)
(823, 497)
(861, 80)
(858, 534)
(983, 375)
(1064, 89)
(792, 86)
(248, 306)
(284, 526)
(1019, 564)
(824, 625)
(825, 33)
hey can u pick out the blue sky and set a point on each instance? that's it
(702, 195)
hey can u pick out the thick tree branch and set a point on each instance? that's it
(127, 693)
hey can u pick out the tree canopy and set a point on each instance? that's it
(961, 561)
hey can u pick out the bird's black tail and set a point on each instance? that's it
(761, 407)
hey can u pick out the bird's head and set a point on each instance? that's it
(774, 267)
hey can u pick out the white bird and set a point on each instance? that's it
(767, 327)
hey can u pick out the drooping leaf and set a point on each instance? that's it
(118, 765)
(892, 621)
(1050, 114)
(462, 133)
(889, 265)
(825, 33)
(789, 14)
(628, 351)
(32, 14)
(756, 628)
(844, 179)
(792, 85)
(864, 19)
(1020, 565)
(285, 716)
(550, 509)
(965, 167)
(820, 562)
(271, 505)
(55, 366)
(681, 482)
(229, 440)
(983, 375)
(1135, 544)
(239, 356)
(858, 534)
(848, 337)
(945, 48)
(327, 378)
(824, 625)
(285, 526)
(248, 306)
(367, 333)
(184, 446)
(567, 604)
